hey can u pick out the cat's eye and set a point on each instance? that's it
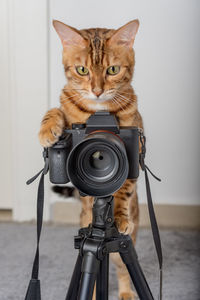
(81, 70)
(113, 70)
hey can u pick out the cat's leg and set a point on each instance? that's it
(125, 198)
(127, 218)
(86, 213)
(52, 127)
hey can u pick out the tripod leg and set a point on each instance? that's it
(102, 280)
(90, 268)
(130, 259)
(74, 284)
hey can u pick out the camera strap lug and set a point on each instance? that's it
(46, 160)
(143, 149)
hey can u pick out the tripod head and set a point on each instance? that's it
(103, 213)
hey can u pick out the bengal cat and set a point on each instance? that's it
(99, 65)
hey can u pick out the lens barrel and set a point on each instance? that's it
(98, 165)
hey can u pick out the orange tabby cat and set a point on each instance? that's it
(99, 66)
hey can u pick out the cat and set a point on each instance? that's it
(99, 65)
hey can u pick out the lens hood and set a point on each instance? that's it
(98, 165)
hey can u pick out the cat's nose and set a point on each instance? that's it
(97, 91)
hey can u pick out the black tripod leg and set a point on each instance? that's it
(74, 284)
(130, 259)
(90, 268)
(102, 280)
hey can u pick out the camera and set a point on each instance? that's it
(96, 156)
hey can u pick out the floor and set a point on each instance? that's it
(17, 246)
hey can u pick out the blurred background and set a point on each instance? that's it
(166, 80)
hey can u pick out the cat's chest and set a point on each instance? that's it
(82, 117)
(74, 114)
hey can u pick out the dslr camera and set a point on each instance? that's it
(96, 156)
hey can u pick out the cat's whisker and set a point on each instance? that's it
(76, 95)
(116, 90)
(119, 103)
(124, 96)
(110, 93)
(116, 93)
(124, 99)
(126, 93)
(113, 100)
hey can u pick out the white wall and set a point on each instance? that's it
(5, 119)
(167, 82)
(24, 79)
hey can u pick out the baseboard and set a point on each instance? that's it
(66, 212)
(6, 215)
(172, 216)
(168, 216)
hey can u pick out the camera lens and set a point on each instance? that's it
(98, 165)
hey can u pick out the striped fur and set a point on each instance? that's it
(97, 49)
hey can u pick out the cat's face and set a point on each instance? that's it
(98, 62)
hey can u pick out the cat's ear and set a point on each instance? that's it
(125, 35)
(69, 36)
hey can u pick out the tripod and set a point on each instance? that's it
(101, 237)
(95, 243)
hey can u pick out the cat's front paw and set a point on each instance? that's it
(124, 225)
(49, 134)
(127, 296)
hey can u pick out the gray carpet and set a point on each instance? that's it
(17, 246)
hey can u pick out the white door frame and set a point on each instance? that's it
(29, 93)
(5, 106)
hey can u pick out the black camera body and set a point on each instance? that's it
(97, 154)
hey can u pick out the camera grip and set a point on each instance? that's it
(57, 165)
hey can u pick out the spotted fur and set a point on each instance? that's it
(97, 49)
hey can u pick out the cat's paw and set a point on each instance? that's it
(124, 225)
(49, 134)
(127, 296)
